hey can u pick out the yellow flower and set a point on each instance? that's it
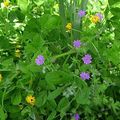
(95, 19)
(30, 99)
(17, 53)
(1, 77)
(6, 3)
(68, 26)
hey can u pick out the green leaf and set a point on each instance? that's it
(80, 83)
(23, 4)
(112, 2)
(41, 98)
(12, 109)
(4, 43)
(57, 78)
(14, 116)
(52, 23)
(113, 53)
(16, 97)
(52, 115)
(2, 114)
(82, 96)
(55, 93)
(35, 45)
(63, 106)
(52, 105)
(114, 11)
(16, 14)
(8, 64)
(63, 103)
(32, 27)
(26, 110)
(39, 2)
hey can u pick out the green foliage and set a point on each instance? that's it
(2, 114)
(16, 97)
(23, 4)
(54, 90)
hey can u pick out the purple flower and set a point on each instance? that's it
(39, 60)
(87, 59)
(100, 16)
(81, 13)
(85, 76)
(76, 116)
(77, 43)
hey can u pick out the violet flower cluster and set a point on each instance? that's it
(77, 43)
(39, 60)
(76, 116)
(81, 13)
(87, 59)
(85, 76)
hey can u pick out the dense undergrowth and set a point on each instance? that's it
(60, 60)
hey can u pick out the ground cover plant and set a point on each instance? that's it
(60, 60)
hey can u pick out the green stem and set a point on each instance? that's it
(66, 60)
(84, 4)
(95, 49)
(3, 97)
(83, 7)
(62, 12)
(76, 30)
(77, 19)
(63, 54)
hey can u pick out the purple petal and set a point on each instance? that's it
(76, 116)
(81, 13)
(85, 76)
(39, 60)
(77, 43)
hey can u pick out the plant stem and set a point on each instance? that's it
(3, 98)
(76, 30)
(95, 49)
(63, 54)
(62, 13)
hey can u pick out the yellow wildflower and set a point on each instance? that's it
(68, 26)
(1, 77)
(6, 3)
(30, 99)
(95, 19)
(17, 53)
